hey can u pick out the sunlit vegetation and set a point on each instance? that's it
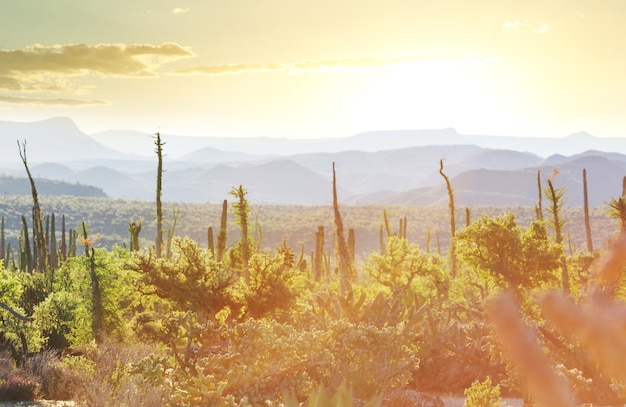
(270, 306)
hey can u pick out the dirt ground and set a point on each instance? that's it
(39, 403)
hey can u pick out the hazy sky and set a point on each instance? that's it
(323, 68)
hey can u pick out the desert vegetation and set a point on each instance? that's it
(232, 305)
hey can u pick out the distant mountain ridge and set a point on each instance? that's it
(373, 168)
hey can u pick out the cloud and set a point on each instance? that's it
(18, 68)
(50, 102)
(328, 65)
(179, 10)
(517, 25)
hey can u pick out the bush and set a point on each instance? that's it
(17, 387)
(483, 394)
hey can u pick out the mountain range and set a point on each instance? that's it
(373, 168)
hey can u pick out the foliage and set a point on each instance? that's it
(17, 387)
(483, 394)
(508, 255)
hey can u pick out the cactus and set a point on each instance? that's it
(345, 266)
(242, 215)
(97, 314)
(54, 255)
(351, 246)
(27, 256)
(468, 218)
(452, 254)
(63, 240)
(171, 231)
(428, 241)
(586, 211)
(211, 243)
(2, 252)
(381, 240)
(159, 207)
(555, 196)
(221, 237)
(71, 249)
(318, 258)
(134, 229)
(538, 208)
(39, 242)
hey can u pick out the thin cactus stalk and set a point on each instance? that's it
(555, 197)
(47, 229)
(539, 208)
(468, 216)
(171, 231)
(28, 256)
(2, 242)
(54, 255)
(97, 313)
(352, 246)
(345, 267)
(438, 242)
(406, 228)
(386, 218)
(319, 254)
(210, 241)
(452, 251)
(242, 212)
(85, 239)
(427, 240)
(159, 206)
(586, 211)
(71, 249)
(221, 237)
(381, 240)
(63, 239)
(38, 231)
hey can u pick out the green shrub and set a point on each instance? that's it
(483, 394)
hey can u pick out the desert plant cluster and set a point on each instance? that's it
(504, 309)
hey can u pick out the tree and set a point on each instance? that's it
(507, 254)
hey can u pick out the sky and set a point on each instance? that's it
(323, 68)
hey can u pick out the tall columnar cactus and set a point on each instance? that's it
(2, 242)
(71, 248)
(381, 240)
(318, 258)
(54, 255)
(27, 256)
(452, 251)
(428, 241)
(242, 213)
(556, 196)
(171, 232)
(586, 210)
(468, 216)
(352, 246)
(134, 228)
(39, 241)
(159, 207)
(538, 208)
(97, 309)
(221, 237)
(63, 249)
(405, 231)
(345, 266)
(210, 241)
